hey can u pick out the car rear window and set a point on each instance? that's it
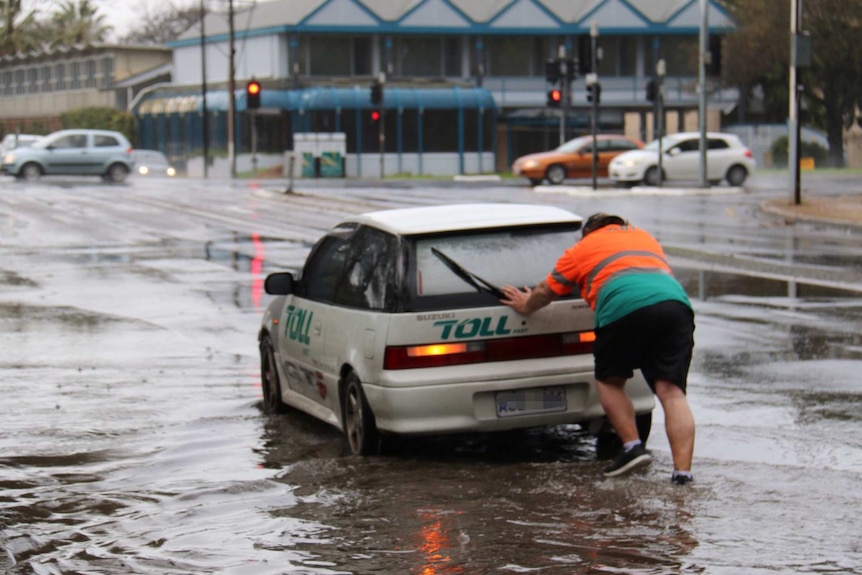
(516, 256)
(105, 141)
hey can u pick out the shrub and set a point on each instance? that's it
(100, 118)
(780, 149)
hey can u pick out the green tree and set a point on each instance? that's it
(757, 59)
(165, 25)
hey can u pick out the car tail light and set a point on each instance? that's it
(506, 349)
(129, 150)
(748, 153)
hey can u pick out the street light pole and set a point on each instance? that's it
(231, 100)
(205, 122)
(594, 34)
(793, 120)
(701, 86)
(660, 70)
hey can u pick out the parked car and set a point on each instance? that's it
(393, 326)
(726, 158)
(12, 141)
(73, 152)
(574, 159)
(152, 163)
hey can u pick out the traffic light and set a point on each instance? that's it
(594, 91)
(252, 95)
(651, 90)
(571, 69)
(375, 117)
(376, 93)
(555, 97)
(585, 54)
(552, 71)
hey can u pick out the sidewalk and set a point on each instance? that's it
(845, 210)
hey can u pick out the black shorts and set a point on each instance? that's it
(657, 339)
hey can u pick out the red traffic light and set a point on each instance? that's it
(556, 95)
(252, 95)
(375, 116)
(554, 98)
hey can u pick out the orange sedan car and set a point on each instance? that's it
(574, 159)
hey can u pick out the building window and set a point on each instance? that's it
(91, 73)
(61, 76)
(419, 56)
(362, 56)
(46, 79)
(75, 80)
(329, 56)
(107, 72)
(20, 87)
(519, 56)
(33, 80)
(452, 57)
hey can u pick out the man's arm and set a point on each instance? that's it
(528, 300)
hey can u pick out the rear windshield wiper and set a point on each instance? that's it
(481, 285)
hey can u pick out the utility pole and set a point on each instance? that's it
(205, 136)
(701, 86)
(231, 89)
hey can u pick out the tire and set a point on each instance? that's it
(30, 172)
(535, 181)
(651, 176)
(270, 382)
(117, 173)
(736, 175)
(360, 429)
(556, 174)
(608, 443)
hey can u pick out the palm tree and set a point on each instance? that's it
(79, 22)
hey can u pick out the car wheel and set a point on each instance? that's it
(31, 172)
(736, 175)
(359, 425)
(608, 443)
(651, 176)
(556, 174)
(269, 379)
(535, 181)
(117, 173)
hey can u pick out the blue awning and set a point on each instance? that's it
(324, 98)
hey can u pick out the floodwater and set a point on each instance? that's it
(132, 440)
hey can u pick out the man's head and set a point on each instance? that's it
(599, 220)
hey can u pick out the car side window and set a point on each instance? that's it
(716, 144)
(688, 146)
(369, 277)
(101, 141)
(621, 145)
(322, 271)
(71, 141)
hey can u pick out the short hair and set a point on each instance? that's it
(599, 220)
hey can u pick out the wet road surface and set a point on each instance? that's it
(132, 441)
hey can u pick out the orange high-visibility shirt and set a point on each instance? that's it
(604, 254)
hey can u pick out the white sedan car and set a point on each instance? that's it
(394, 326)
(727, 158)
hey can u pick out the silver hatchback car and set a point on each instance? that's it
(73, 153)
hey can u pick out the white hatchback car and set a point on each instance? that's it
(393, 326)
(727, 158)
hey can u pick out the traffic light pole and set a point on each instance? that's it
(381, 128)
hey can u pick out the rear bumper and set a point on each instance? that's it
(470, 403)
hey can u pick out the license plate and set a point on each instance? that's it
(529, 401)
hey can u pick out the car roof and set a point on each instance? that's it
(450, 217)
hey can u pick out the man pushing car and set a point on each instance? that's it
(643, 320)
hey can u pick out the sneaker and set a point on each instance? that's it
(626, 461)
(681, 479)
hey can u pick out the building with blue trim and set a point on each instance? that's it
(465, 79)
